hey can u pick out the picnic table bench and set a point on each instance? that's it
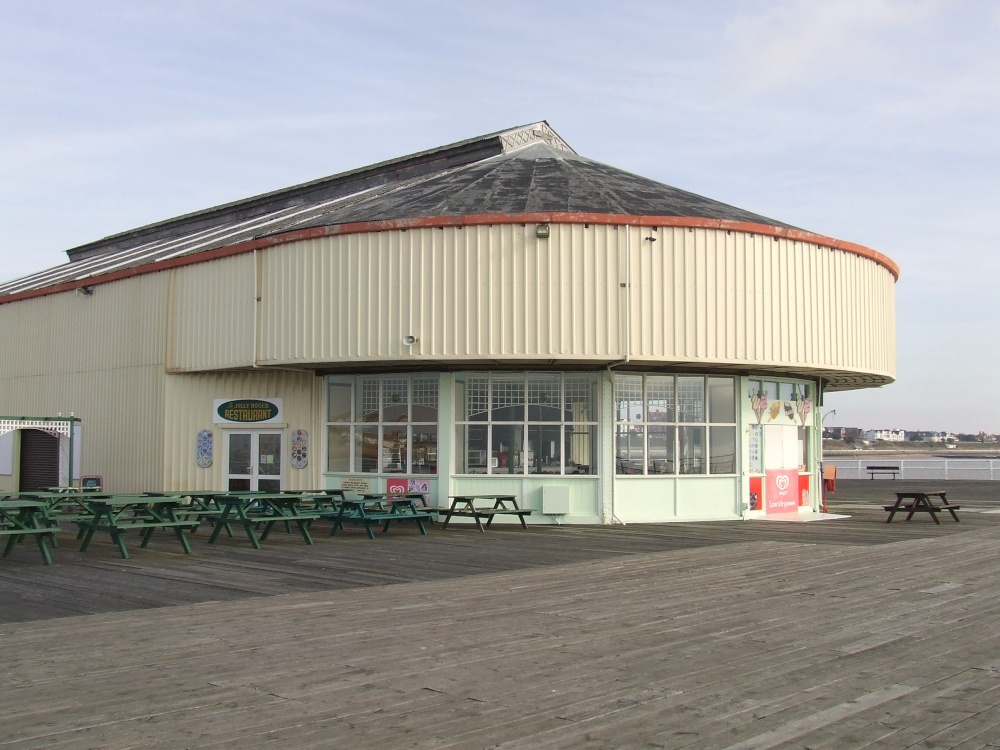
(23, 518)
(465, 506)
(254, 510)
(117, 514)
(873, 470)
(920, 502)
(379, 508)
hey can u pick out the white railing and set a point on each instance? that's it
(921, 468)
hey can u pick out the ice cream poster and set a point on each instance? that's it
(758, 402)
(782, 491)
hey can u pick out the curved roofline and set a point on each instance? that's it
(297, 235)
(547, 217)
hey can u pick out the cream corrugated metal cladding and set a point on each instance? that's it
(497, 292)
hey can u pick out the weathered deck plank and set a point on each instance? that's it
(824, 635)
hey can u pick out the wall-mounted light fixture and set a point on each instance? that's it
(542, 231)
(86, 291)
(409, 340)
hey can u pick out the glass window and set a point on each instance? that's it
(686, 424)
(477, 406)
(629, 448)
(392, 429)
(691, 442)
(544, 399)
(394, 400)
(531, 423)
(544, 449)
(425, 449)
(425, 400)
(628, 398)
(580, 448)
(690, 399)
(367, 410)
(338, 447)
(722, 458)
(721, 400)
(367, 449)
(660, 452)
(394, 450)
(580, 398)
(338, 402)
(507, 402)
(660, 398)
(474, 448)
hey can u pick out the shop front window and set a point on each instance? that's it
(382, 424)
(670, 425)
(526, 424)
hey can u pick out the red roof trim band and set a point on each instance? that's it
(285, 238)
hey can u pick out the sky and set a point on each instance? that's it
(872, 121)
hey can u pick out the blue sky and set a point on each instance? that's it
(872, 121)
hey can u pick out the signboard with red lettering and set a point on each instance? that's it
(782, 492)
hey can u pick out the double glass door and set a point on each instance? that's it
(254, 461)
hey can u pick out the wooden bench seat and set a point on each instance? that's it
(922, 508)
(17, 533)
(873, 470)
(478, 514)
(384, 517)
(97, 526)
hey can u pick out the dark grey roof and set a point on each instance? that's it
(535, 178)
(527, 169)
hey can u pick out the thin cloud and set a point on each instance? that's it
(798, 43)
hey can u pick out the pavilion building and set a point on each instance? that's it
(495, 316)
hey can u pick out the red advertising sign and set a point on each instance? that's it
(756, 499)
(782, 495)
(397, 486)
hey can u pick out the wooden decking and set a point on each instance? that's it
(831, 634)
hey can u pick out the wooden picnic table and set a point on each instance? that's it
(22, 518)
(465, 505)
(379, 508)
(118, 514)
(920, 502)
(66, 506)
(251, 509)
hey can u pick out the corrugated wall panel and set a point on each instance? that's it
(211, 315)
(122, 414)
(499, 293)
(466, 293)
(189, 399)
(119, 325)
(488, 293)
(99, 357)
(715, 296)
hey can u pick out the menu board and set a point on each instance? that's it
(756, 456)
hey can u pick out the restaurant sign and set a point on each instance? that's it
(247, 410)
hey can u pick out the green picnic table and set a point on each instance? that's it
(379, 508)
(118, 514)
(22, 518)
(255, 508)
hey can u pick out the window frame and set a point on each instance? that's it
(686, 421)
(506, 452)
(358, 424)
